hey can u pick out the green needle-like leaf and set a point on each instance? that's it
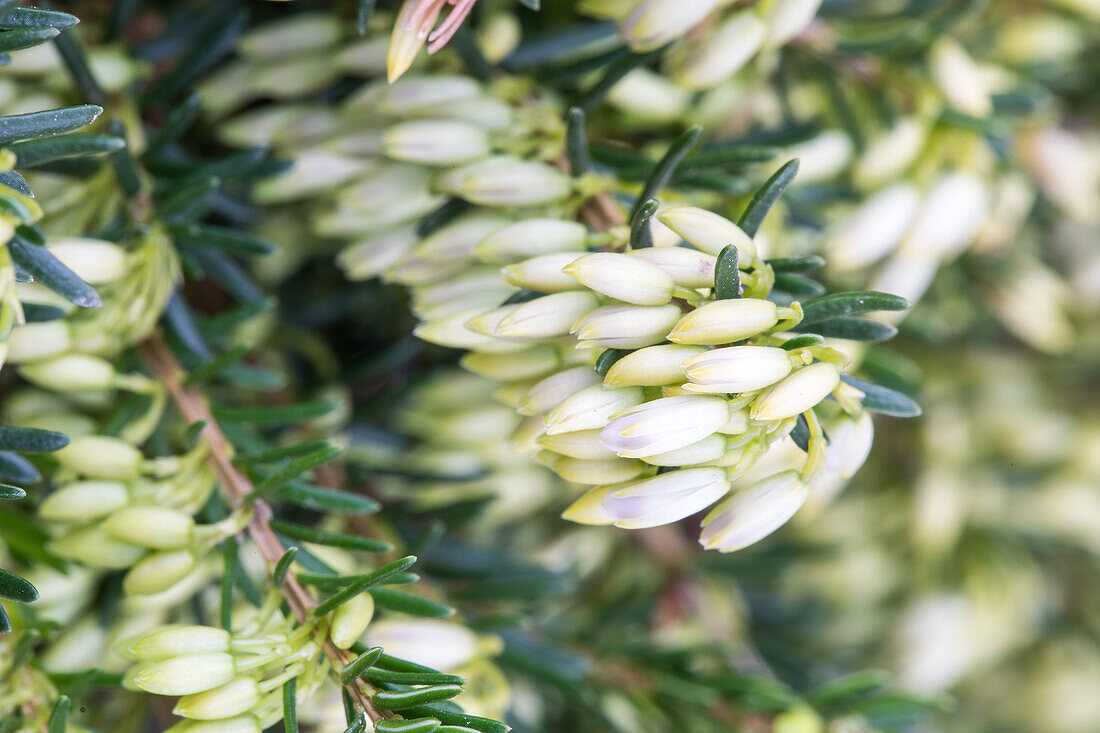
(796, 264)
(727, 275)
(576, 142)
(844, 304)
(395, 600)
(295, 469)
(31, 440)
(16, 588)
(11, 493)
(640, 234)
(25, 38)
(852, 328)
(378, 576)
(45, 124)
(207, 371)
(764, 199)
(413, 698)
(290, 705)
(59, 716)
(275, 414)
(607, 358)
(333, 539)
(283, 566)
(884, 400)
(666, 166)
(360, 664)
(48, 270)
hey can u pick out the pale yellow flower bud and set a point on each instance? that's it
(504, 180)
(753, 513)
(70, 373)
(83, 501)
(649, 97)
(34, 341)
(600, 471)
(531, 238)
(350, 620)
(707, 450)
(706, 231)
(93, 260)
(150, 526)
(590, 408)
(405, 42)
(187, 674)
(797, 393)
(653, 23)
(959, 78)
(736, 369)
(233, 698)
(173, 641)
(547, 317)
(652, 366)
(688, 268)
(623, 277)
(544, 273)
(547, 393)
(626, 326)
(725, 321)
(93, 547)
(588, 509)
(435, 142)
(158, 572)
(787, 18)
(666, 498)
(874, 229)
(583, 444)
(722, 54)
(664, 424)
(457, 240)
(533, 362)
(101, 457)
(890, 154)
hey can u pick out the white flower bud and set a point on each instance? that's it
(890, 154)
(959, 78)
(722, 54)
(547, 393)
(649, 97)
(158, 572)
(34, 341)
(822, 157)
(452, 331)
(442, 645)
(233, 698)
(725, 321)
(652, 366)
(413, 271)
(70, 373)
(186, 675)
(533, 362)
(874, 229)
(93, 547)
(372, 256)
(547, 317)
(531, 238)
(736, 369)
(150, 526)
(503, 180)
(664, 424)
(166, 642)
(626, 326)
(850, 440)
(350, 620)
(653, 23)
(707, 450)
(950, 216)
(797, 393)
(414, 94)
(706, 231)
(622, 277)
(753, 513)
(93, 260)
(100, 456)
(544, 273)
(1067, 171)
(588, 509)
(435, 142)
(311, 172)
(905, 276)
(487, 322)
(591, 408)
(666, 498)
(487, 112)
(787, 18)
(688, 268)
(457, 240)
(280, 39)
(600, 471)
(83, 501)
(405, 41)
(583, 444)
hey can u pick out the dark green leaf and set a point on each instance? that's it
(764, 199)
(283, 566)
(216, 40)
(395, 600)
(727, 275)
(413, 698)
(275, 414)
(333, 539)
(322, 499)
(358, 725)
(37, 18)
(396, 664)
(180, 118)
(411, 678)
(16, 588)
(399, 725)
(295, 469)
(360, 664)
(576, 142)
(844, 304)
(16, 182)
(47, 123)
(666, 166)
(853, 328)
(621, 64)
(445, 715)
(801, 342)
(290, 705)
(801, 433)
(48, 270)
(38, 313)
(11, 493)
(640, 234)
(25, 38)
(233, 241)
(797, 285)
(849, 686)
(378, 576)
(362, 15)
(730, 155)
(16, 468)
(210, 369)
(31, 440)
(607, 358)
(796, 264)
(883, 400)
(81, 72)
(59, 716)
(278, 454)
(443, 214)
(5, 624)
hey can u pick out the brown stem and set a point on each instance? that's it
(236, 485)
